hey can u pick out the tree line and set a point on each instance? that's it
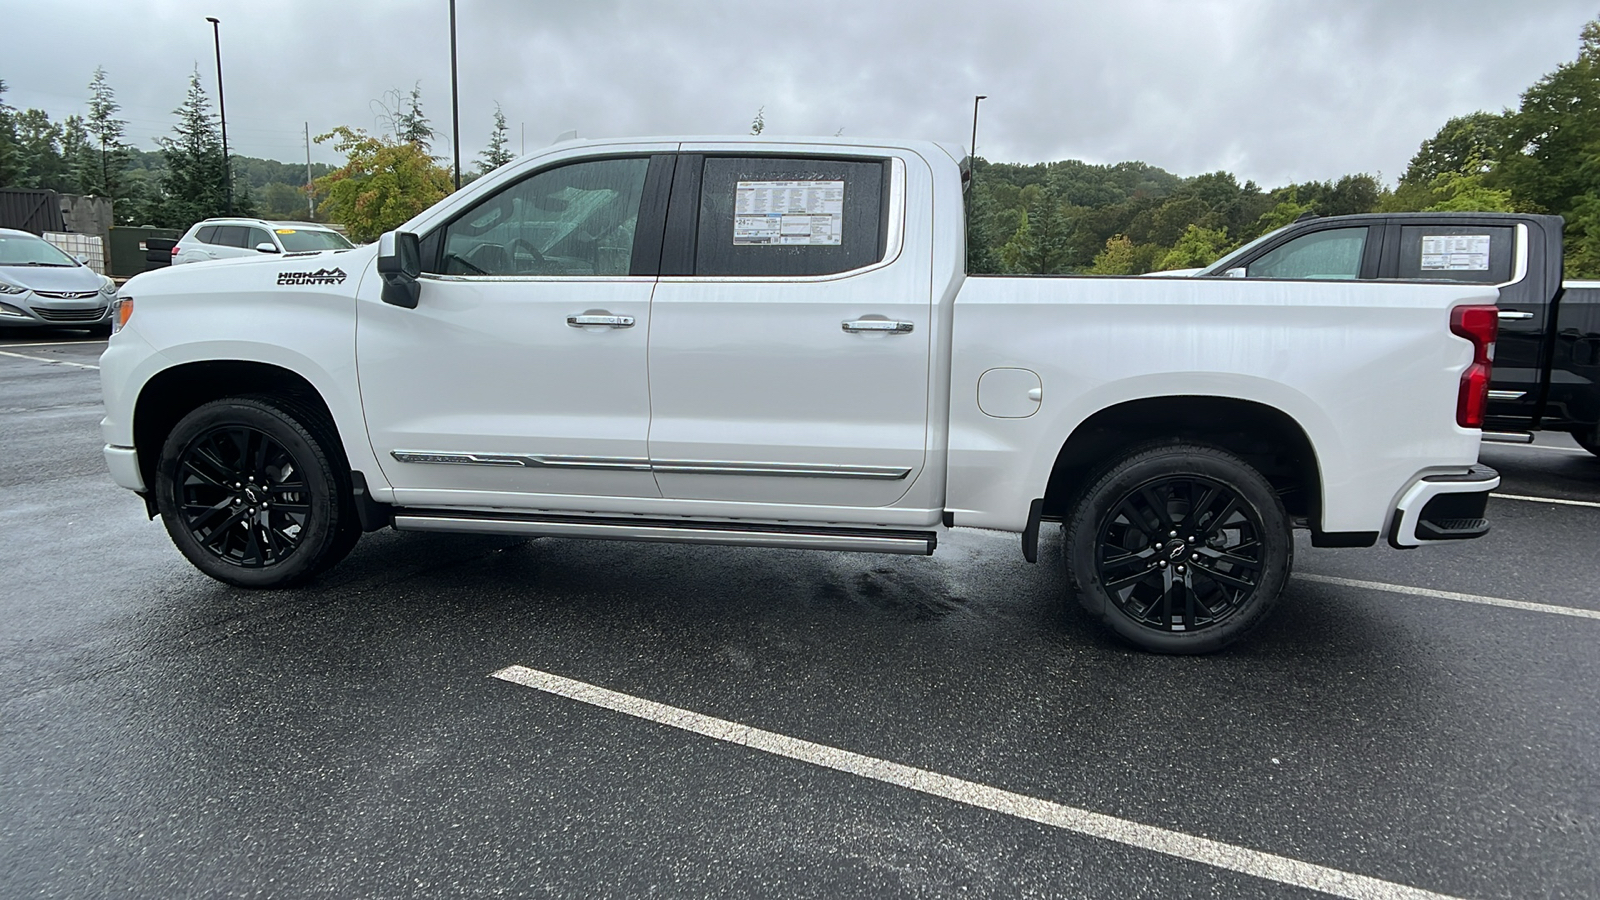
(1130, 218)
(182, 180)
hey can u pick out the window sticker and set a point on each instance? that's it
(285, 231)
(1455, 253)
(789, 212)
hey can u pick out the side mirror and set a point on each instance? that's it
(266, 247)
(1240, 272)
(399, 265)
(82, 260)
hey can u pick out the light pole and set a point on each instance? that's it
(455, 98)
(972, 172)
(975, 100)
(222, 110)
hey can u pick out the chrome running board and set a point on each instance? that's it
(735, 534)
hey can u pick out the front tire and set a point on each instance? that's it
(250, 495)
(1178, 548)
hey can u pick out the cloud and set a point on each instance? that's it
(1273, 90)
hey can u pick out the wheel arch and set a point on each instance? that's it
(172, 393)
(1266, 437)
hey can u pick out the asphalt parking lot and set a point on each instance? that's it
(466, 716)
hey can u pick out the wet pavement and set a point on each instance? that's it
(165, 735)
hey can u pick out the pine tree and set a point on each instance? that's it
(10, 153)
(106, 176)
(410, 124)
(759, 123)
(497, 154)
(193, 183)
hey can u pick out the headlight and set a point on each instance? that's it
(7, 287)
(109, 288)
(7, 309)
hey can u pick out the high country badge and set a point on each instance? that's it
(320, 276)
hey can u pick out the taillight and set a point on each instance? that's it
(1480, 325)
(174, 251)
(121, 312)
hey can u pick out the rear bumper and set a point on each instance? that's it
(1443, 508)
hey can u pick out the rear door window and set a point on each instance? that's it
(1480, 254)
(774, 216)
(232, 236)
(1333, 254)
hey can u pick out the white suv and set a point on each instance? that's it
(228, 238)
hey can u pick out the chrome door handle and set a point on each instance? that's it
(611, 321)
(1513, 314)
(884, 325)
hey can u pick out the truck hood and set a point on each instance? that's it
(333, 271)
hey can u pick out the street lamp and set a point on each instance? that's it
(222, 110)
(975, 100)
(455, 99)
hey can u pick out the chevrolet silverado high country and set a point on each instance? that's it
(733, 341)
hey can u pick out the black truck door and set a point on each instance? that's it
(1500, 250)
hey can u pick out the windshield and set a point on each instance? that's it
(27, 250)
(298, 241)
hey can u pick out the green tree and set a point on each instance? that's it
(1466, 145)
(103, 172)
(759, 123)
(383, 182)
(497, 154)
(1556, 132)
(11, 168)
(1197, 247)
(192, 185)
(410, 124)
(39, 152)
(1120, 257)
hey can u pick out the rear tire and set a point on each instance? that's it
(1178, 548)
(1590, 442)
(250, 492)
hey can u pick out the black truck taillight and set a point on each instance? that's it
(1480, 325)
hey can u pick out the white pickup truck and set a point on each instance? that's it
(732, 341)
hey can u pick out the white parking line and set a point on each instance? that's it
(54, 344)
(1547, 500)
(1452, 595)
(1268, 866)
(59, 362)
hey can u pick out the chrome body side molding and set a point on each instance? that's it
(680, 466)
(739, 534)
(528, 460)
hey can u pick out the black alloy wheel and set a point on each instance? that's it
(242, 496)
(1180, 553)
(249, 492)
(1179, 548)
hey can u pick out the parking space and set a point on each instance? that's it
(698, 720)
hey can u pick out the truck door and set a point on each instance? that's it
(521, 373)
(1494, 251)
(789, 339)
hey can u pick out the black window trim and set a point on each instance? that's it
(646, 234)
(680, 246)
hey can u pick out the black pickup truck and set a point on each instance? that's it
(1546, 372)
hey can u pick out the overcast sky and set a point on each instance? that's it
(1272, 90)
